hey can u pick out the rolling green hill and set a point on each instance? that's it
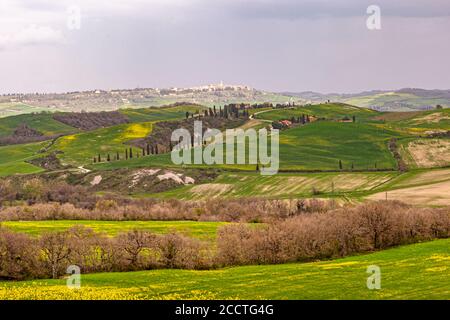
(159, 114)
(79, 149)
(12, 158)
(42, 122)
(15, 108)
(316, 146)
(416, 122)
(320, 146)
(283, 185)
(415, 271)
(330, 111)
(397, 101)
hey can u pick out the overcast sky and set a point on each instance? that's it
(277, 45)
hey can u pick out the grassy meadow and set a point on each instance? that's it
(198, 229)
(395, 97)
(8, 109)
(418, 271)
(283, 185)
(320, 146)
(316, 146)
(416, 123)
(159, 114)
(79, 149)
(42, 122)
(329, 111)
(12, 158)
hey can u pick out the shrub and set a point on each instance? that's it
(350, 230)
(134, 249)
(177, 251)
(18, 256)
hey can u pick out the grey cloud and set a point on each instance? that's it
(292, 9)
(275, 45)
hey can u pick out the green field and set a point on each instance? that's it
(316, 146)
(283, 185)
(159, 114)
(381, 99)
(15, 108)
(418, 271)
(419, 178)
(320, 146)
(79, 149)
(42, 122)
(12, 158)
(415, 123)
(197, 229)
(331, 111)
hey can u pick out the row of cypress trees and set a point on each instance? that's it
(129, 153)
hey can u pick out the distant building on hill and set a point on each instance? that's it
(286, 123)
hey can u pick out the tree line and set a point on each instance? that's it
(304, 237)
(228, 111)
(130, 153)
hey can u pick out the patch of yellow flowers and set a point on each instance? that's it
(44, 291)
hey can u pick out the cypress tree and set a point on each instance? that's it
(126, 154)
(117, 156)
(143, 152)
(340, 165)
(108, 158)
(99, 158)
(148, 149)
(131, 153)
(95, 159)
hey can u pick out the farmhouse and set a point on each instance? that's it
(286, 123)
